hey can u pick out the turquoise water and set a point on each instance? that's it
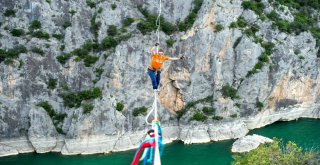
(303, 132)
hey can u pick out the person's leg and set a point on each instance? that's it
(153, 79)
(158, 78)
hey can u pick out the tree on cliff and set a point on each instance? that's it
(277, 154)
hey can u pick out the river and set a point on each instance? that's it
(304, 132)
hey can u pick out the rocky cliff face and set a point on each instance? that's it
(63, 84)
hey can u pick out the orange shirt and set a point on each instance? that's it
(157, 61)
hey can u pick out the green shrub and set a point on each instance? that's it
(10, 54)
(89, 60)
(62, 47)
(233, 115)
(219, 27)
(108, 42)
(191, 18)
(170, 42)
(66, 24)
(241, 22)
(301, 23)
(199, 117)
(139, 111)
(21, 63)
(197, 5)
(251, 72)
(233, 25)
(82, 53)
(148, 25)
(112, 30)
(59, 117)
(276, 153)
(264, 57)
(91, 4)
(47, 107)
(52, 83)
(35, 25)
(273, 16)
(283, 26)
(17, 32)
(258, 39)
(249, 33)
(208, 110)
(316, 34)
(62, 59)
(128, 21)
(58, 36)
(259, 65)
(113, 6)
(41, 35)
(72, 12)
(90, 46)
(119, 106)
(145, 27)
(9, 13)
(37, 50)
(268, 46)
(123, 37)
(74, 99)
(168, 28)
(87, 108)
(229, 91)
(8, 61)
(259, 105)
(95, 26)
(217, 118)
(99, 72)
(254, 5)
(255, 28)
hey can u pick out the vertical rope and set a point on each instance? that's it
(158, 23)
(157, 160)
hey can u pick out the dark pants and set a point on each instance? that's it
(155, 78)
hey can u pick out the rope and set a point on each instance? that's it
(158, 25)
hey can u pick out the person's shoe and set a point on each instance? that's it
(156, 90)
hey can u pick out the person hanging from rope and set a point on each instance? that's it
(154, 69)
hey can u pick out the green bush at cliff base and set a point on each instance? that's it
(276, 154)
(139, 111)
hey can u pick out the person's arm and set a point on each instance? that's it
(153, 49)
(176, 58)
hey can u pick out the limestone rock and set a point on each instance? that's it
(7, 151)
(42, 133)
(248, 143)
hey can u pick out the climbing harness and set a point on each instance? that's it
(152, 145)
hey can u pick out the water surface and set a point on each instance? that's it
(303, 132)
